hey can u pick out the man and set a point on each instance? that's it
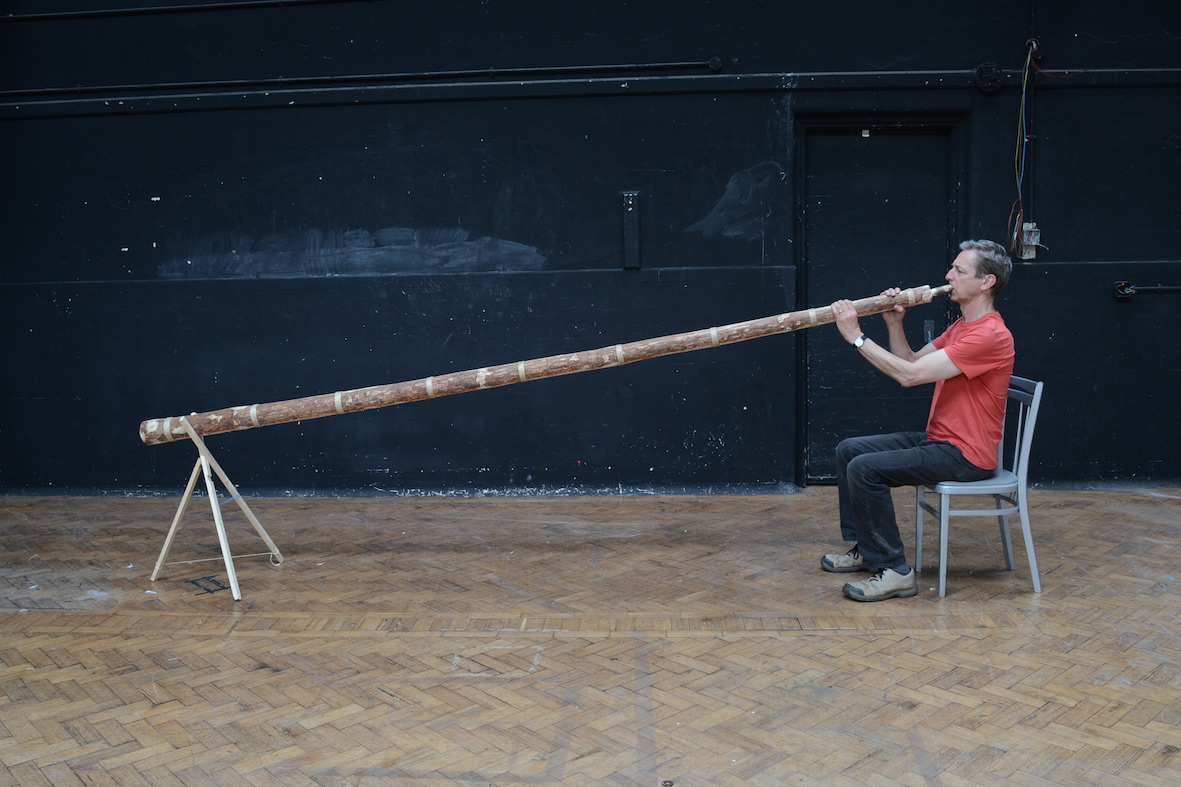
(970, 364)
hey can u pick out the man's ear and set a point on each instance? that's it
(989, 281)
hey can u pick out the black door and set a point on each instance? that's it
(880, 210)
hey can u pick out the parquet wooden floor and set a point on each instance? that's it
(577, 641)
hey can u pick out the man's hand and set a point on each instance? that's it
(893, 317)
(845, 316)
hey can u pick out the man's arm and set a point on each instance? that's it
(899, 362)
(928, 367)
(899, 346)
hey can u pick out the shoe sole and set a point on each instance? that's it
(903, 593)
(840, 569)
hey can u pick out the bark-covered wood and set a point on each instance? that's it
(165, 430)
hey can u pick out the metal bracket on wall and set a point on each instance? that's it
(1125, 290)
(631, 230)
(989, 78)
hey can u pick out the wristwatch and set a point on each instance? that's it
(860, 340)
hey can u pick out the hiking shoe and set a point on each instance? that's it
(842, 564)
(885, 583)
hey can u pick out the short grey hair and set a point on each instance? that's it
(991, 257)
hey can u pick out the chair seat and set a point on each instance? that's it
(1001, 482)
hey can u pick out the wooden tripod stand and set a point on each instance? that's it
(206, 465)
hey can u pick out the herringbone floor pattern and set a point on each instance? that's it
(579, 641)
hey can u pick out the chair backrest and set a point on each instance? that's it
(1027, 394)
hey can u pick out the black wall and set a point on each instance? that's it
(216, 204)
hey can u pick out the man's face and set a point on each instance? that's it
(965, 284)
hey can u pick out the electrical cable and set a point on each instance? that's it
(1016, 229)
(1017, 213)
(1067, 75)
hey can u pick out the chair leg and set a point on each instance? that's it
(1023, 503)
(918, 528)
(944, 526)
(1006, 537)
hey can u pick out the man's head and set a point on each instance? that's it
(991, 260)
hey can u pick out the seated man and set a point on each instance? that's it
(970, 364)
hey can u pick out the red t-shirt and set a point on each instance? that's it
(968, 410)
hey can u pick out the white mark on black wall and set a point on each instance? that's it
(746, 204)
(315, 253)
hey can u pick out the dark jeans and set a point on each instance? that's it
(867, 468)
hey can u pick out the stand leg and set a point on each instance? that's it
(233, 490)
(180, 512)
(221, 530)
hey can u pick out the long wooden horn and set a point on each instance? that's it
(155, 431)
